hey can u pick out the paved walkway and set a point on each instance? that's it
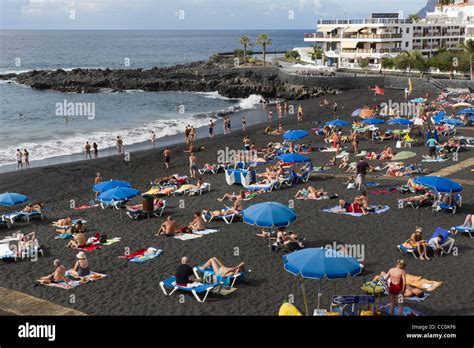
(18, 303)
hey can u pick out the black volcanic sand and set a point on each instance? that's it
(133, 289)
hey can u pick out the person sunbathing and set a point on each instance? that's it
(63, 222)
(59, 274)
(198, 223)
(344, 162)
(169, 228)
(78, 227)
(469, 221)
(411, 183)
(362, 201)
(28, 208)
(81, 267)
(417, 242)
(174, 179)
(220, 269)
(231, 196)
(421, 200)
(237, 207)
(79, 240)
(346, 207)
(310, 193)
(279, 131)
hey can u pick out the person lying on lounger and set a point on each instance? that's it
(174, 179)
(469, 221)
(417, 242)
(81, 267)
(237, 207)
(79, 240)
(386, 154)
(231, 196)
(220, 269)
(59, 274)
(63, 222)
(169, 228)
(310, 193)
(78, 227)
(421, 200)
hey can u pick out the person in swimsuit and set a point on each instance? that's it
(87, 150)
(59, 274)
(198, 223)
(26, 156)
(193, 165)
(311, 193)
(168, 228)
(79, 240)
(416, 241)
(355, 141)
(95, 147)
(81, 267)
(166, 155)
(153, 139)
(211, 128)
(19, 159)
(220, 269)
(346, 207)
(396, 278)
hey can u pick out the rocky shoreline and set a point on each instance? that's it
(217, 74)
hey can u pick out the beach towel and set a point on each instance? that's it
(91, 247)
(73, 222)
(434, 160)
(139, 252)
(73, 283)
(383, 192)
(64, 236)
(148, 255)
(406, 311)
(187, 236)
(422, 283)
(205, 232)
(335, 209)
(416, 298)
(84, 207)
(111, 241)
(5, 252)
(320, 169)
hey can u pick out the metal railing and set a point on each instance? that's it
(381, 50)
(365, 21)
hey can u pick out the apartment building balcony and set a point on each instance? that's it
(365, 52)
(385, 21)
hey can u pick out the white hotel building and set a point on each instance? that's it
(346, 42)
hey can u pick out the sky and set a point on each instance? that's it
(188, 14)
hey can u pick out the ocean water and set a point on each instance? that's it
(31, 119)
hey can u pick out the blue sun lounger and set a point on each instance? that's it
(204, 289)
(12, 217)
(4, 223)
(447, 241)
(440, 205)
(209, 276)
(463, 229)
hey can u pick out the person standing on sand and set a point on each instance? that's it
(26, 156)
(167, 156)
(355, 141)
(187, 130)
(270, 116)
(300, 113)
(87, 150)
(361, 172)
(334, 108)
(95, 147)
(211, 128)
(192, 165)
(119, 144)
(396, 279)
(192, 134)
(244, 124)
(98, 179)
(229, 127)
(153, 139)
(19, 161)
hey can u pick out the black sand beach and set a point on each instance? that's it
(133, 289)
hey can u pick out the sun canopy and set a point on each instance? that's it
(269, 215)
(438, 183)
(337, 123)
(295, 135)
(293, 158)
(11, 199)
(118, 194)
(107, 185)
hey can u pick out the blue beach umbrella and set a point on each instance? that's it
(11, 199)
(438, 183)
(295, 135)
(452, 122)
(471, 118)
(337, 123)
(439, 117)
(269, 215)
(118, 194)
(356, 113)
(293, 158)
(108, 185)
(373, 121)
(466, 111)
(320, 263)
(401, 121)
(418, 100)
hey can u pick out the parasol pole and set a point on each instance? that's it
(319, 293)
(304, 296)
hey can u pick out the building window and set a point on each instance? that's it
(406, 44)
(408, 30)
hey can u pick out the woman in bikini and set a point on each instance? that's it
(416, 241)
(81, 267)
(396, 279)
(220, 269)
(310, 193)
(346, 207)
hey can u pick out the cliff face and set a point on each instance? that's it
(210, 76)
(429, 7)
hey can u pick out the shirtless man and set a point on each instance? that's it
(166, 155)
(19, 159)
(198, 223)
(168, 228)
(396, 278)
(193, 165)
(119, 144)
(59, 274)
(79, 240)
(87, 150)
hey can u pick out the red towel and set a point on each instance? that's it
(139, 252)
(91, 247)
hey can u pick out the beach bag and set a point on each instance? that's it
(103, 238)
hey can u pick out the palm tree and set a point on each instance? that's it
(412, 58)
(468, 47)
(245, 41)
(415, 18)
(317, 53)
(264, 41)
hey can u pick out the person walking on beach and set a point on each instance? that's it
(119, 144)
(211, 128)
(167, 156)
(270, 116)
(192, 165)
(153, 139)
(26, 157)
(300, 113)
(396, 279)
(19, 160)
(97, 181)
(229, 127)
(95, 148)
(334, 108)
(244, 124)
(192, 134)
(361, 172)
(87, 150)
(187, 131)
(355, 141)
